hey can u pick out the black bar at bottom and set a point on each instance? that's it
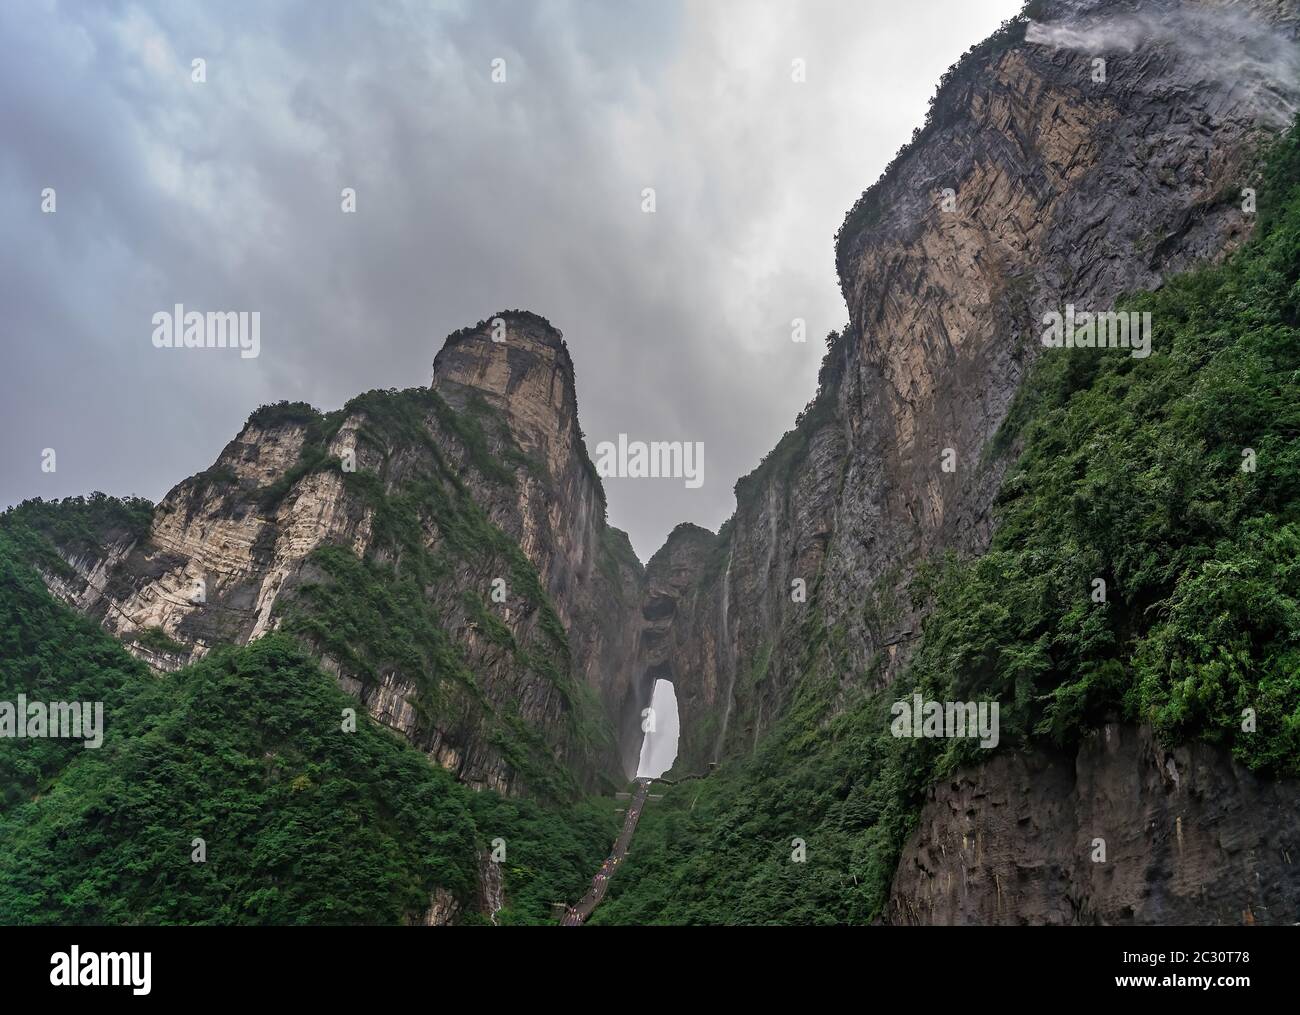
(338, 965)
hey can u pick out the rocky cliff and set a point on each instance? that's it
(588, 568)
(1087, 151)
(1091, 149)
(1123, 832)
(445, 551)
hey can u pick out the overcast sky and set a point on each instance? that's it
(472, 196)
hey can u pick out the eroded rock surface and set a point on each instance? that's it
(1187, 836)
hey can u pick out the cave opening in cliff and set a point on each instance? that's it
(660, 725)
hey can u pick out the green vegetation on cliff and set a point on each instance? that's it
(302, 822)
(1175, 479)
(75, 526)
(430, 531)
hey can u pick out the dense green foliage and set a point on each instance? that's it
(369, 616)
(1131, 470)
(550, 854)
(1175, 479)
(718, 850)
(50, 653)
(76, 525)
(303, 822)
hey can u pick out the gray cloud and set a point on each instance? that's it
(472, 197)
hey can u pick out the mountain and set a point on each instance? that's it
(973, 582)
(935, 523)
(1066, 190)
(377, 532)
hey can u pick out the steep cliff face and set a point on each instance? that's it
(1034, 184)
(677, 581)
(519, 365)
(1123, 832)
(444, 550)
(1094, 151)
